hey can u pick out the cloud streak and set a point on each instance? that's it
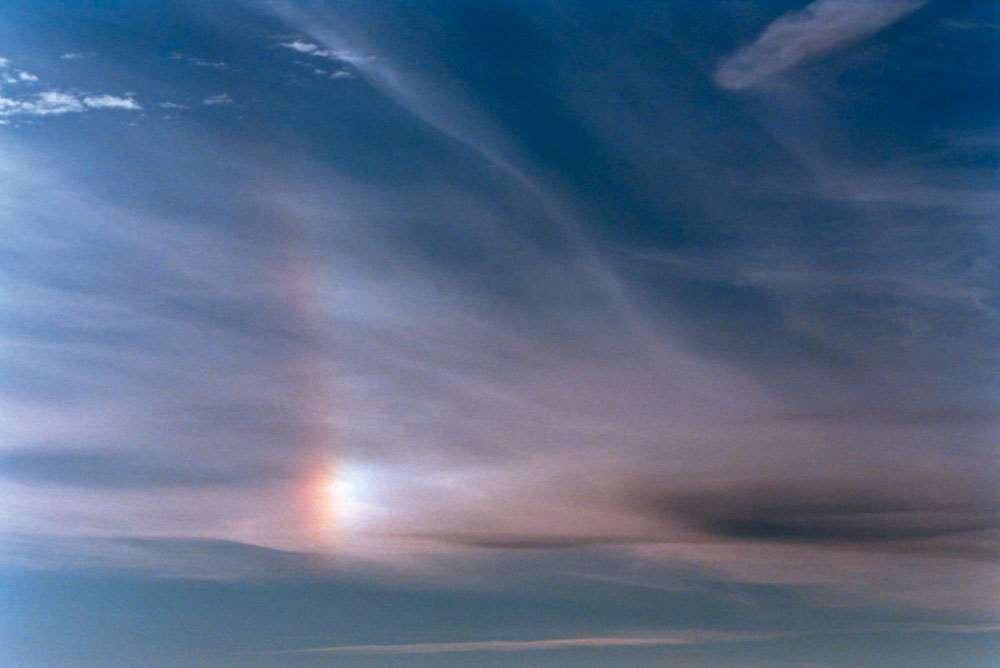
(218, 100)
(340, 55)
(197, 558)
(600, 642)
(122, 470)
(823, 512)
(821, 27)
(676, 639)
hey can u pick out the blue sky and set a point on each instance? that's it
(523, 333)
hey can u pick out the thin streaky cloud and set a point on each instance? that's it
(598, 642)
(342, 55)
(214, 64)
(679, 639)
(821, 27)
(473, 130)
(217, 100)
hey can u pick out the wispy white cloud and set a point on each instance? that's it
(217, 100)
(675, 639)
(338, 73)
(301, 47)
(20, 76)
(43, 104)
(76, 55)
(198, 62)
(214, 64)
(173, 105)
(459, 119)
(14, 76)
(111, 102)
(819, 28)
(597, 642)
(53, 103)
(341, 55)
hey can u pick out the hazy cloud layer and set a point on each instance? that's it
(526, 298)
(77, 468)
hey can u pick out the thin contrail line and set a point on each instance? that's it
(599, 642)
(694, 638)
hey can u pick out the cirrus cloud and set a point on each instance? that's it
(821, 27)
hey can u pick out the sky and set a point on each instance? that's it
(520, 333)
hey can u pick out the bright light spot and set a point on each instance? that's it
(350, 494)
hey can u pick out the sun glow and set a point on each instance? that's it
(343, 499)
(339, 493)
(348, 492)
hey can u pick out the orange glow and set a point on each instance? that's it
(319, 503)
(318, 514)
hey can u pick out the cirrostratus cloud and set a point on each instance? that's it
(822, 26)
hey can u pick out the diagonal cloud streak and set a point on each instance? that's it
(819, 28)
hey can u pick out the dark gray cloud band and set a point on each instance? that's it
(823, 512)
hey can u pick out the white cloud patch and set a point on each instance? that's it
(43, 104)
(54, 103)
(10, 76)
(198, 62)
(77, 55)
(819, 28)
(333, 74)
(217, 100)
(214, 64)
(301, 47)
(111, 102)
(340, 55)
(173, 105)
